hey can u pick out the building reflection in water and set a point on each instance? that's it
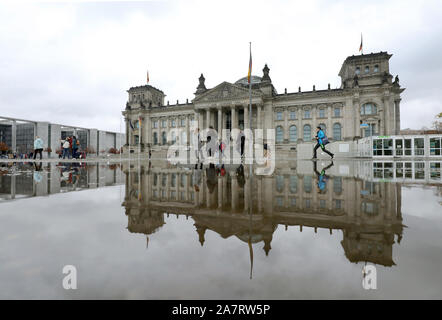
(24, 180)
(331, 197)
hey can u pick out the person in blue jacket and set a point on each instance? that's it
(320, 136)
(322, 177)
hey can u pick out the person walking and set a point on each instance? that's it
(321, 140)
(38, 147)
(75, 145)
(66, 146)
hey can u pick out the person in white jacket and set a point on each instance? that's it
(66, 146)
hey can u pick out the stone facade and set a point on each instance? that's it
(368, 95)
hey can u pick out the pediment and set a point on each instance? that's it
(226, 91)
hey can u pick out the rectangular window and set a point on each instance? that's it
(337, 112)
(292, 115)
(163, 123)
(306, 114)
(418, 146)
(321, 113)
(435, 146)
(279, 115)
(183, 122)
(155, 124)
(173, 123)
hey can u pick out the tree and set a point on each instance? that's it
(3, 147)
(437, 124)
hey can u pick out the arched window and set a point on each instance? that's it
(155, 138)
(323, 127)
(358, 70)
(368, 108)
(279, 134)
(293, 133)
(307, 133)
(163, 138)
(376, 68)
(337, 131)
(367, 69)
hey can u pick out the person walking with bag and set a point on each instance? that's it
(38, 147)
(322, 140)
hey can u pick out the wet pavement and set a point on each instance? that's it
(155, 230)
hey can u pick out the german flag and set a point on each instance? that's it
(249, 75)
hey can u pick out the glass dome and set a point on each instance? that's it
(243, 81)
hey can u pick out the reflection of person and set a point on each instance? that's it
(38, 147)
(196, 179)
(197, 145)
(240, 142)
(211, 177)
(320, 142)
(322, 177)
(37, 172)
(240, 176)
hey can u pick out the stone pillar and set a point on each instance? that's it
(140, 130)
(14, 137)
(208, 114)
(234, 192)
(234, 118)
(201, 120)
(286, 126)
(328, 114)
(220, 122)
(187, 131)
(259, 117)
(167, 130)
(246, 117)
(247, 193)
(148, 131)
(220, 193)
(127, 130)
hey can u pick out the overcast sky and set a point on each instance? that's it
(72, 62)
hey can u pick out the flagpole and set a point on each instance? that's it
(250, 104)
(251, 164)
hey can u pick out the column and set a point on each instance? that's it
(286, 126)
(187, 130)
(246, 117)
(220, 122)
(140, 131)
(167, 130)
(259, 117)
(259, 124)
(127, 130)
(14, 136)
(200, 120)
(329, 113)
(234, 118)
(208, 114)
(234, 191)
(148, 131)
(220, 193)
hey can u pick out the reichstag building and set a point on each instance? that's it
(367, 103)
